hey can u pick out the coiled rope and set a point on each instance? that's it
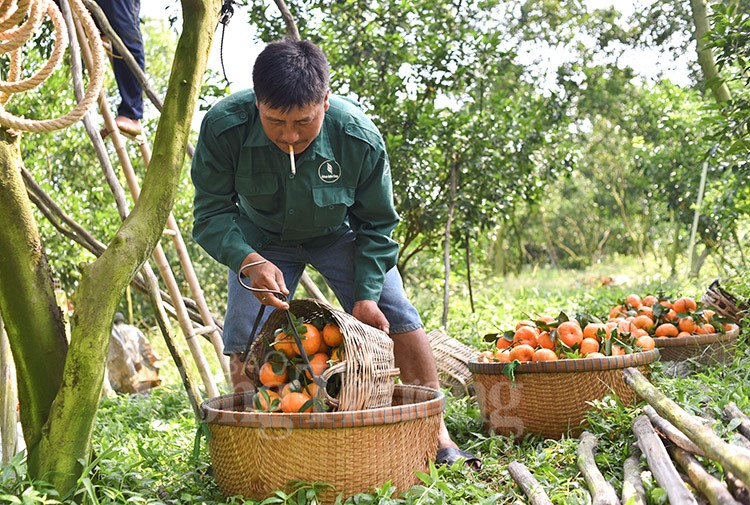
(19, 20)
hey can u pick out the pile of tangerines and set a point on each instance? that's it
(631, 327)
(286, 384)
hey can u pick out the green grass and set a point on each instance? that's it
(144, 445)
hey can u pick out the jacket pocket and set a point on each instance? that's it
(259, 192)
(331, 204)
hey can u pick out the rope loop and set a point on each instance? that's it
(19, 21)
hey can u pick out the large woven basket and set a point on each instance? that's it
(367, 371)
(706, 349)
(452, 358)
(551, 398)
(256, 453)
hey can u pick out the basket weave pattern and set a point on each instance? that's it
(706, 349)
(551, 398)
(367, 370)
(452, 358)
(725, 303)
(256, 453)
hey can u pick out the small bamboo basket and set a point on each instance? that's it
(551, 398)
(707, 349)
(256, 453)
(724, 303)
(367, 370)
(452, 358)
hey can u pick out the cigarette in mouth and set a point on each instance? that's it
(291, 159)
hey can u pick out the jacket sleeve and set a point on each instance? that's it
(215, 211)
(373, 218)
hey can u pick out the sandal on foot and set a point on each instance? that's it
(449, 455)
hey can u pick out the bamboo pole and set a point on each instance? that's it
(733, 458)
(669, 431)
(8, 399)
(602, 492)
(732, 412)
(158, 253)
(711, 487)
(633, 492)
(528, 484)
(660, 464)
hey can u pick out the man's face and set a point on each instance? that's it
(297, 127)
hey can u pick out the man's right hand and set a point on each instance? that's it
(265, 276)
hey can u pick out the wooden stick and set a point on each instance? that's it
(528, 484)
(733, 458)
(602, 492)
(669, 431)
(659, 463)
(633, 492)
(709, 485)
(731, 411)
(738, 490)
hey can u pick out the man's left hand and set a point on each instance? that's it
(368, 312)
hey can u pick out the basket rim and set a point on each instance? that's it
(218, 410)
(697, 339)
(569, 365)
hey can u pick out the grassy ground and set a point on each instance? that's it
(146, 452)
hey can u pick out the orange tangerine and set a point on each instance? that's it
(643, 321)
(666, 330)
(685, 305)
(618, 350)
(294, 402)
(545, 340)
(270, 378)
(502, 356)
(645, 342)
(708, 314)
(266, 400)
(595, 355)
(570, 333)
(592, 330)
(503, 343)
(589, 345)
(486, 357)
(525, 322)
(522, 352)
(634, 300)
(650, 300)
(286, 344)
(526, 335)
(544, 355)
(318, 363)
(332, 335)
(687, 324)
(683, 334)
(616, 311)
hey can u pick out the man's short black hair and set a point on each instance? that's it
(291, 73)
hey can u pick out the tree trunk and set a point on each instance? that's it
(711, 487)
(58, 407)
(27, 302)
(447, 243)
(633, 492)
(705, 57)
(8, 399)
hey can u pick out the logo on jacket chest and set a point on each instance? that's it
(329, 171)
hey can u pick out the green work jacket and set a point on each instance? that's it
(247, 197)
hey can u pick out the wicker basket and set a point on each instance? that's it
(707, 349)
(551, 398)
(724, 303)
(255, 453)
(452, 358)
(367, 371)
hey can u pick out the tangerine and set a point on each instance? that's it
(634, 300)
(589, 345)
(544, 355)
(332, 335)
(503, 343)
(645, 342)
(285, 343)
(270, 378)
(591, 330)
(650, 300)
(666, 330)
(595, 355)
(502, 356)
(545, 340)
(311, 339)
(570, 333)
(687, 324)
(522, 352)
(294, 402)
(685, 305)
(266, 400)
(526, 335)
(318, 363)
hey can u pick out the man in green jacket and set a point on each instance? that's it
(288, 174)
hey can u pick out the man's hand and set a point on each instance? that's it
(368, 312)
(265, 276)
